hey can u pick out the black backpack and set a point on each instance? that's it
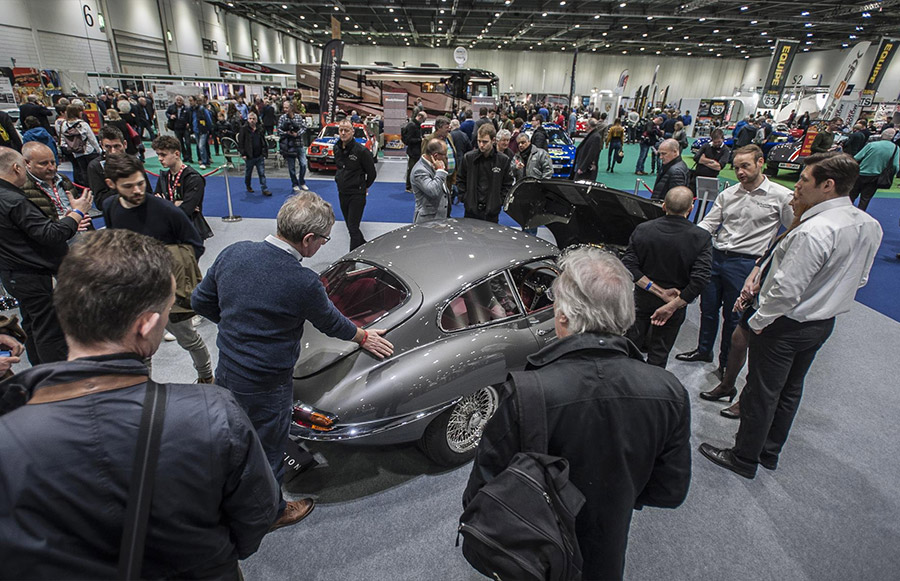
(521, 524)
(73, 140)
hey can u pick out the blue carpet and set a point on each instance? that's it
(881, 291)
(387, 202)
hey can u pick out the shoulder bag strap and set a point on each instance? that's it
(143, 474)
(529, 396)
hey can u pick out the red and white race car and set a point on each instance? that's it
(320, 155)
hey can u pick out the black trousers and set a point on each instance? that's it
(480, 215)
(79, 168)
(184, 136)
(352, 207)
(410, 163)
(46, 342)
(657, 342)
(779, 359)
(865, 189)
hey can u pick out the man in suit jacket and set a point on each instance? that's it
(587, 153)
(429, 182)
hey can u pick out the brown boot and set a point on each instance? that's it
(733, 411)
(294, 512)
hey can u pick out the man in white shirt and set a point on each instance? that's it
(812, 276)
(743, 221)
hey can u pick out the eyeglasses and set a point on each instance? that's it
(323, 237)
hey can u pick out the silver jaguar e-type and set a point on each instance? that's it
(464, 302)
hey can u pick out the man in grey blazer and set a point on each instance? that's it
(531, 162)
(429, 182)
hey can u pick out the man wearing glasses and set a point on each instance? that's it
(355, 173)
(485, 178)
(261, 295)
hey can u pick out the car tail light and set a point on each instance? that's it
(309, 417)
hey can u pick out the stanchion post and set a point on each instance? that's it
(230, 217)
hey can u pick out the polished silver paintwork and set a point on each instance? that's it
(393, 400)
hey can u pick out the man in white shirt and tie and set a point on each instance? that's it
(743, 221)
(812, 276)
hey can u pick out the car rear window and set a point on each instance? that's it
(362, 292)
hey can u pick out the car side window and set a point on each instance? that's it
(491, 300)
(533, 281)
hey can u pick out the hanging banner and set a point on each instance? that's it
(665, 96)
(839, 85)
(652, 101)
(329, 79)
(876, 75)
(778, 72)
(623, 80)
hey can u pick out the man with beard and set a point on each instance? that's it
(113, 143)
(743, 221)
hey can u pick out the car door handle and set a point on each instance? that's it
(542, 332)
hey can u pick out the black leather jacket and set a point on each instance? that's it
(65, 471)
(624, 427)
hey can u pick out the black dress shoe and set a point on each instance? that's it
(716, 394)
(732, 412)
(769, 462)
(694, 355)
(726, 459)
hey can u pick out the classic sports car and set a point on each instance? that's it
(561, 148)
(320, 155)
(464, 302)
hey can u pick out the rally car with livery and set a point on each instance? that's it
(320, 154)
(560, 147)
(781, 133)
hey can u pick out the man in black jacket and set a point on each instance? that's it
(31, 249)
(180, 184)
(669, 259)
(33, 108)
(411, 135)
(587, 153)
(484, 178)
(674, 171)
(179, 121)
(355, 174)
(113, 142)
(623, 425)
(214, 496)
(539, 137)
(712, 157)
(251, 144)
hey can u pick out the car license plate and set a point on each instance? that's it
(789, 165)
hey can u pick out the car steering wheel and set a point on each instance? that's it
(536, 287)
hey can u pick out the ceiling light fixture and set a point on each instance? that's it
(670, 27)
(715, 31)
(804, 13)
(336, 8)
(284, 6)
(744, 8)
(623, 5)
(596, 16)
(754, 22)
(544, 14)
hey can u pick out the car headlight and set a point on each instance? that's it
(314, 149)
(312, 418)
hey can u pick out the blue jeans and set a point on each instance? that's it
(726, 278)
(297, 177)
(642, 157)
(268, 405)
(203, 148)
(260, 164)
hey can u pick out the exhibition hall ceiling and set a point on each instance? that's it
(725, 29)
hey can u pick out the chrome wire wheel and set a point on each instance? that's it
(468, 418)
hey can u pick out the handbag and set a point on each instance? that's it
(886, 178)
(620, 155)
(143, 475)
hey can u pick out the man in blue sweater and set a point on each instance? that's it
(260, 295)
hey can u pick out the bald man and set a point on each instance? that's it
(669, 259)
(32, 247)
(44, 185)
(674, 171)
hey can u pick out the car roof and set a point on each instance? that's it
(442, 255)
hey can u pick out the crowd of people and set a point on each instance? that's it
(96, 304)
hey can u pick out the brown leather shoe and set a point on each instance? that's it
(294, 512)
(733, 411)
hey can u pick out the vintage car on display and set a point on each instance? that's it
(464, 302)
(561, 148)
(320, 155)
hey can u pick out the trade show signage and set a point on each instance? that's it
(839, 86)
(460, 55)
(395, 116)
(778, 71)
(623, 80)
(329, 80)
(248, 68)
(876, 75)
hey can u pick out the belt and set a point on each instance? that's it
(730, 254)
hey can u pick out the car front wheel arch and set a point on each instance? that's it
(452, 437)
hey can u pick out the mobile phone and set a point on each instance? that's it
(5, 353)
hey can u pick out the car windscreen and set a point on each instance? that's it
(558, 137)
(358, 132)
(362, 292)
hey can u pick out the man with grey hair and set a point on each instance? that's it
(597, 389)
(429, 183)
(874, 159)
(669, 259)
(673, 173)
(261, 295)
